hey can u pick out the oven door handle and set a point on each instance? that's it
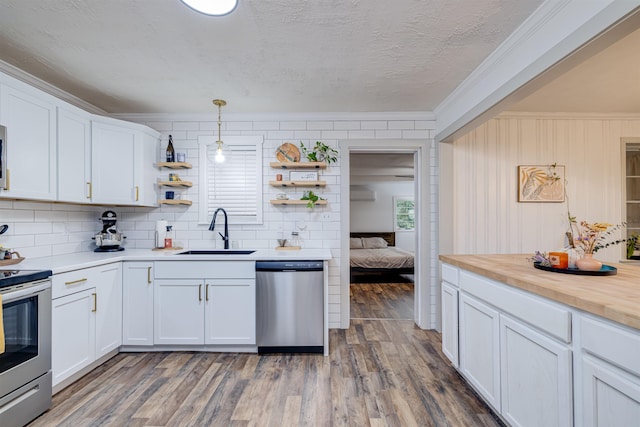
(26, 292)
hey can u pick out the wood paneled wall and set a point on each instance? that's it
(487, 215)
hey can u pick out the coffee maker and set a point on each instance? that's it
(109, 239)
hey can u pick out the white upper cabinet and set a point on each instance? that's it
(112, 158)
(122, 154)
(30, 118)
(74, 155)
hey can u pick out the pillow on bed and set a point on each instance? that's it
(355, 243)
(374, 243)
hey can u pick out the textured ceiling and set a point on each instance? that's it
(154, 56)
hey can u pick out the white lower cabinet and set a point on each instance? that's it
(108, 309)
(480, 348)
(230, 307)
(86, 319)
(137, 303)
(610, 396)
(179, 311)
(73, 335)
(515, 349)
(609, 393)
(450, 323)
(189, 310)
(536, 381)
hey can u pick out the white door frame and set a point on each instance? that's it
(422, 178)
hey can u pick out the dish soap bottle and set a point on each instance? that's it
(171, 153)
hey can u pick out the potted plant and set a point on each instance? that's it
(320, 152)
(311, 197)
(633, 245)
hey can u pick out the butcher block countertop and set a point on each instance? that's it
(615, 298)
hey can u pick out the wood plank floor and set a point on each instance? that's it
(379, 373)
(391, 300)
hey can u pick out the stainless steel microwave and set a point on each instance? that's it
(3, 157)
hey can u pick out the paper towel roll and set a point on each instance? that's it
(161, 231)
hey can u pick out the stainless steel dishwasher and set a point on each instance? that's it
(290, 306)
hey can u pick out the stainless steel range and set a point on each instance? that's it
(25, 346)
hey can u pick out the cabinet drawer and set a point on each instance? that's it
(547, 316)
(205, 269)
(612, 342)
(71, 282)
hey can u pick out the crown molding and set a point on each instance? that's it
(265, 117)
(567, 116)
(38, 83)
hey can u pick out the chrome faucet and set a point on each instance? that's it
(226, 226)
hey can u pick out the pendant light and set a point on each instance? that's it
(212, 7)
(219, 155)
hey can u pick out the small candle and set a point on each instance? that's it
(279, 177)
(559, 260)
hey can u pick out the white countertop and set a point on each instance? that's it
(63, 263)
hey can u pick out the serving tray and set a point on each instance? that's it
(606, 270)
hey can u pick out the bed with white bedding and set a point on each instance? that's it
(375, 252)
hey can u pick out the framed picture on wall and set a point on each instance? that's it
(541, 183)
(404, 216)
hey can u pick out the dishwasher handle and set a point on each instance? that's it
(282, 266)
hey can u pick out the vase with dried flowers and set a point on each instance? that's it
(591, 237)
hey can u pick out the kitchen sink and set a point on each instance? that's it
(217, 252)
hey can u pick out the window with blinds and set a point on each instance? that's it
(236, 183)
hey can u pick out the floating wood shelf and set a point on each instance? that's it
(175, 202)
(298, 165)
(298, 183)
(175, 183)
(175, 165)
(296, 202)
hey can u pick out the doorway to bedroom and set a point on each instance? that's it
(382, 235)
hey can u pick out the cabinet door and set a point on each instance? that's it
(137, 304)
(146, 173)
(536, 377)
(611, 397)
(230, 313)
(73, 344)
(108, 308)
(450, 322)
(480, 348)
(31, 144)
(178, 311)
(74, 156)
(113, 154)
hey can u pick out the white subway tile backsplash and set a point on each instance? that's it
(373, 124)
(9, 215)
(346, 125)
(32, 228)
(362, 134)
(401, 124)
(297, 125)
(388, 134)
(280, 134)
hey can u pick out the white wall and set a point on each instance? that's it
(43, 229)
(378, 215)
(487, 216)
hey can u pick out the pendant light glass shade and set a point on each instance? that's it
(219, 155)
(212, 7)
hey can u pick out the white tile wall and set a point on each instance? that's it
(44, 229)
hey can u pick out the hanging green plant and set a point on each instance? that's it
(311, 197)
(320, 152)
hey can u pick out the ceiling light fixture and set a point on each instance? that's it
(212, 7)
(219, 156)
